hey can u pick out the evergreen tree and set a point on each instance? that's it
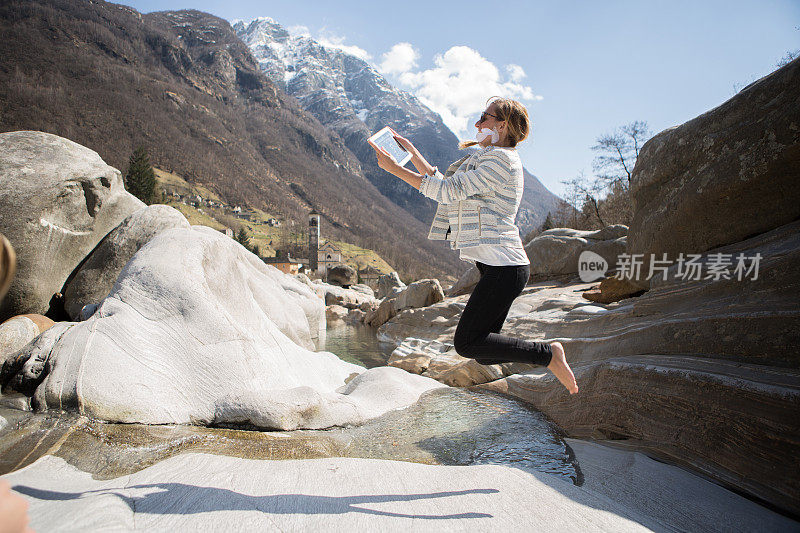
(242, 238)
(548, 223)
(256, 250)
(140, 179)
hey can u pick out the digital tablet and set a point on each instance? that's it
(385, 139)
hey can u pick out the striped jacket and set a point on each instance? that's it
(478, 197)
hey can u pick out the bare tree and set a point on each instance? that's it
(572, 199)
(585, 193)
(618, 153)
(789, 56)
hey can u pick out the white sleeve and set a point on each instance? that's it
(492, 171)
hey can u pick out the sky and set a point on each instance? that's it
(582, 68)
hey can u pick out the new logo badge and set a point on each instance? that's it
(591, 266)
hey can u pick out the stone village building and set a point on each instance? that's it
(327, 256)
(285, 263)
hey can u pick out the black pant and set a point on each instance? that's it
(478, 333)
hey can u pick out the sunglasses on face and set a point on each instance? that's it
(485, 114)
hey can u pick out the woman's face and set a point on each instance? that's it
(489, 122)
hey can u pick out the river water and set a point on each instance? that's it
(448, 426)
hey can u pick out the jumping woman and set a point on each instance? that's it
(478, 198)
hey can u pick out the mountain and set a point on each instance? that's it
(183, 85)
(348, 95)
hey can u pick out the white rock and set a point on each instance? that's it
(622, 492)
(198, 330)
(93, 279)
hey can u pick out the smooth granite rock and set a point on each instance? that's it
(421, 293)
(93, 279)
(753, 323)
(349, 298)
(556, 251)
(377, 316)
(613, 289)
(198, 330)
(389, 285)
(722, 177)
(334, 313)
(731, 421)
(58, 199)
(620, 491)
(440, 361)
(466, 282)
(365, 289)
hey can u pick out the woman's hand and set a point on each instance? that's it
(419, 162)
(405, 143)
(385, 161)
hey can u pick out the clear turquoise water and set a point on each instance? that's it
(451, 426)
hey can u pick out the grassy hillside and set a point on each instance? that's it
(267, 237)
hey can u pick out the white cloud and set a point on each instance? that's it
(299, 31)
(401, 58)
(515, 72)
(329, 40)
(459, 84)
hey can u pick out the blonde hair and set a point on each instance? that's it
(518, 124)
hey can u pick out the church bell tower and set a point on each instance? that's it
(313, 241)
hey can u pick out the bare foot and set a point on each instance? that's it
(559, 366)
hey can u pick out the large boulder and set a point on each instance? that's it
(613, 289)
(335, 313)
(729, 174)
(389, 285)
(377, 316)
(58, 199)
(342, 275)
(466, 283)
(439, 361)
(364, 289)
(437, 321)
(197, 330)
(93, 279)
(349, 298)
(556, 251)
(421, 293)
(309, 303)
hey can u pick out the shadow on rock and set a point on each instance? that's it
(206, 499)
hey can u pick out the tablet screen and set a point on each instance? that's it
(385, 140)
